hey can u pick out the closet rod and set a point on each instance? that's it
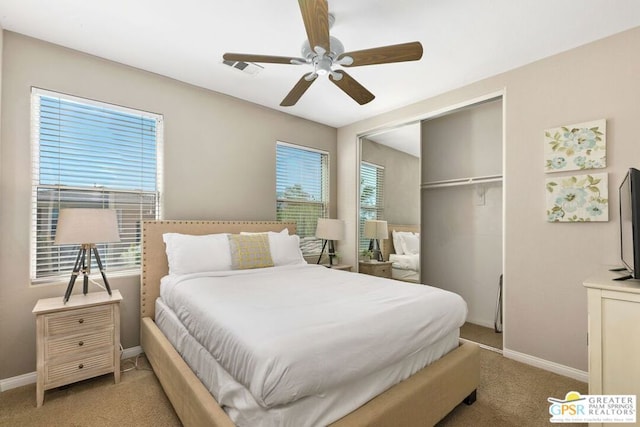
(462, 181)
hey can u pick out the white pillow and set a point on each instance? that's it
(188, 253)
(285, 249)
(397, 240)
(410, 244)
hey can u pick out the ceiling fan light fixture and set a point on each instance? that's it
(322, 65)
(324, 51)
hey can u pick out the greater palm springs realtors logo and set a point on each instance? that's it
(593, 408)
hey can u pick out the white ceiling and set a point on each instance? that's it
(464, 41)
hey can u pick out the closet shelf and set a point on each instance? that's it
(461, 181)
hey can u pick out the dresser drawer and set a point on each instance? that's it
(77, 321)
(76, 370)
(81, 343)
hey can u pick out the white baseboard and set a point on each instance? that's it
(131, 352)
(31, 377)
(556, 368)
(19, 381)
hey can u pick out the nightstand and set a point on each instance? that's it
(345, 267)
(76, 340)
(380, 269)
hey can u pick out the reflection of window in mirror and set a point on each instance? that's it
(371, 197)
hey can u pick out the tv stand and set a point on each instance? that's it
(621, 278)
(617, 269)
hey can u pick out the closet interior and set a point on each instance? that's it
(462, 212)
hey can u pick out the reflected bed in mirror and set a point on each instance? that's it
(403, 249)
(390, 188)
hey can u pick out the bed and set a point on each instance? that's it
(406, 266)
(422, 399)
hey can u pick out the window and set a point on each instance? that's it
(88, 154)
(371, 197)
(302, 191)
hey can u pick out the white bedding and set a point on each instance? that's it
(405, 262)
(294, 331)
(312, 411)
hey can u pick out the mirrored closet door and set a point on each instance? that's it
(390, 192)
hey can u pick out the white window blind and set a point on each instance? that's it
(371, 197)
(88, 154)
(302, 191)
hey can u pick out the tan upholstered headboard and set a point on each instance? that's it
(154, 258)
(387, 244)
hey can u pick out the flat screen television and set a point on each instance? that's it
(630, 223)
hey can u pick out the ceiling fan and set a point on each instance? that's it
(325, 52)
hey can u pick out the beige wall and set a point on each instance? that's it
(545, 264)
(219, 163)
(401, 181)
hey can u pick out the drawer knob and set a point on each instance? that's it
(81, 343)
(81, 321)
(80, 366)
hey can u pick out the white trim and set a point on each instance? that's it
(131, 352)
(301, 147)
(556, 368)
(36, 91)
(31, 377)
(19, 381)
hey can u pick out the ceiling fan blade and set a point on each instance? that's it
(383, 55)
(352, 88)
(245, 57)
(315, 14)
(298, 90)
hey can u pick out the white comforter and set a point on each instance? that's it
(405, 262)
(294, 331)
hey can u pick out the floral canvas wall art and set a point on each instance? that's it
(576, 147)
(579, 198)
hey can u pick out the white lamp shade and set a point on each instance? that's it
(330, 229)
(376, 229)
(80, 226)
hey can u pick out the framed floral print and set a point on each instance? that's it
(576, 147)
(579, 198)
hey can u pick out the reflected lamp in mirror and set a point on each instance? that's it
(86, 227)
(329, 230)
(376, 230)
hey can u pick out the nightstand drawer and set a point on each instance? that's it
(78, 320)
(380, 269)
(82, 368)
(383, 271)
(84, 343)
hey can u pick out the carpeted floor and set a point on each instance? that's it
(510, 394)
(481, 335)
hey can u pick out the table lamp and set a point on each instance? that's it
(329, 230)
(86, 227)
(375, 230)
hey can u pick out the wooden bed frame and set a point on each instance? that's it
(422, 399)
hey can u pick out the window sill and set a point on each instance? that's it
(64, 280)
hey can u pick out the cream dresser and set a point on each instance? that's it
(77, 340)
(614, 335)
